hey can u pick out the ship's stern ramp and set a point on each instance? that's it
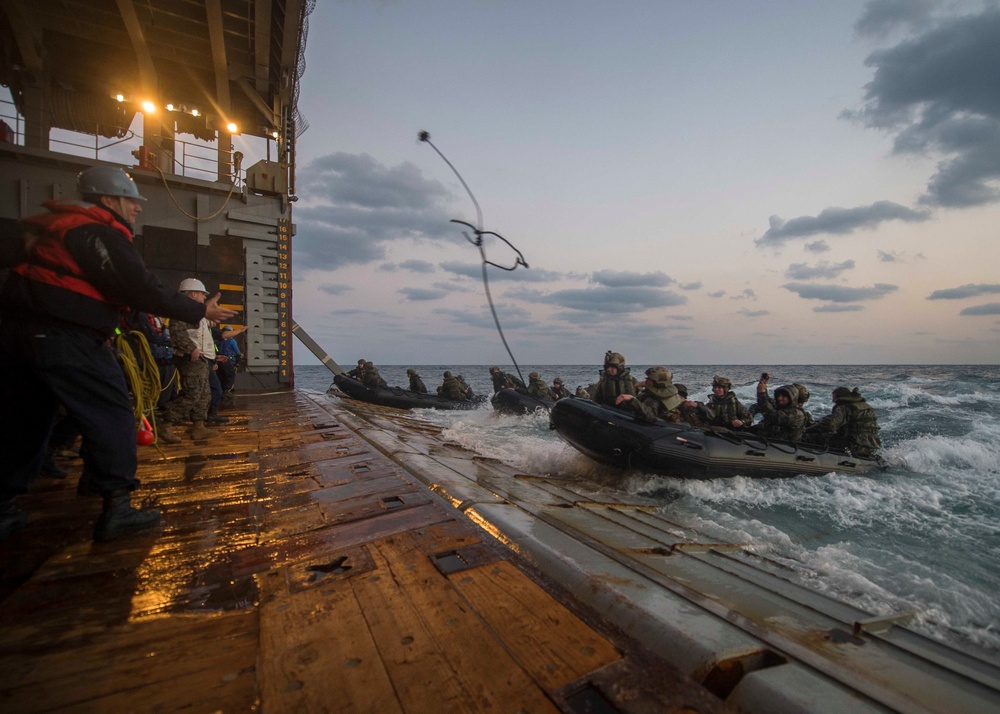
(741, 624)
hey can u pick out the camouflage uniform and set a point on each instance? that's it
(371, 378)
(416, 384)
(193, 401)
(727, 408)
(502, 380)
(781, 422)
(853, 424)
(451, 388)
(538, 388)
(358, 371)
(466, 389)
(558, 389)
(803, 398)
(659, 400)
(694, 413)
(610, 387)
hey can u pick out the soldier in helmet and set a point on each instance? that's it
(416, 384)
(371, 378)
(358, 371)
(451, 388)
(59, 308)
(852, 425)
(803, 398)
(194, 353)
(538, 388)
(502, 380)
(728, 411)
(466, 389)
(783, 417)
(692, 412)
(615, 380)
(659, 398)
(558, 390)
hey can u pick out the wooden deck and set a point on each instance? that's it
(298, 570)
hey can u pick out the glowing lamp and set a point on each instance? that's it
(120, 97)
(232, 128)
(148, 107)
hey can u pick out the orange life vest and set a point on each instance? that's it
(49, 261)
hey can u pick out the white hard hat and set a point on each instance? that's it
(192, 285)
(107, 181)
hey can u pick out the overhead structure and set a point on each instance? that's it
(200, 67)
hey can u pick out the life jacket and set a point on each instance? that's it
(49, 261)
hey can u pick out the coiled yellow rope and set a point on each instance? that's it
(144, 381)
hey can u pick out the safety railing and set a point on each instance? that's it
(189, 159)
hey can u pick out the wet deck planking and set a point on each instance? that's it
(297, 569)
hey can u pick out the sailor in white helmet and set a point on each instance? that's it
(59, 308)
(194, 356)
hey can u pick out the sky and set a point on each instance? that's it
(719, 182)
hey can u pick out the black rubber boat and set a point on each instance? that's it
(511, 401)
(612, 436)
(398, 397)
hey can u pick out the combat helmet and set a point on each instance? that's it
(723, 382)
(495, 369)
(447, 375)
(613, 359)
(841, 392)
(659, 381)
(411, 372)
(107, 181)
(803, 392)
(534, 375)
(682, 390)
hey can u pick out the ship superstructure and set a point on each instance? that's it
(198, 100)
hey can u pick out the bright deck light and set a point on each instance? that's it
(232, 128)
(148, 107)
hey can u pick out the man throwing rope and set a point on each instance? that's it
(59, 308)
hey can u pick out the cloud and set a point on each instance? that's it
(605, 299)
(840, 293)
(937, 92)
(801, 271)
(681, 318)
(422, 293)
(838, 308)
(690, 286)
(353, 312)
(992, 308)
(417, 266)
(838, 221)
(892, 256)
(475, 270)
(754, 313)
(817, 246)
(965, 291)
(335, 288)
(351, 206)
(717, 294)
(510, 317)
(881, 17)
(747, 294)
(629, 279)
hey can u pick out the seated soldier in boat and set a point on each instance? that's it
(659, 398)
(416, 384)
(371, 378)
(466, 389)
(582, 393)
(451, 388)
(615, 381)
(359, 370)
(783, 418)
(803, 398)
(852, 425)
(692, 412)
(538, 388)
(558, 389)
(727, 410)
(502, 380)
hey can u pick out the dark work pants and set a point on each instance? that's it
(45, 366)
(215, 386)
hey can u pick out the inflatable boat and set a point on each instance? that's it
(511, 401)
(612, 436)
(398, 397)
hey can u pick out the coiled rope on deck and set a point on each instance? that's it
(142, 374)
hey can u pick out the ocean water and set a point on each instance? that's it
(922, 537)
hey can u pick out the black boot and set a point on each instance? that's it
(214, 418)
(120, 519)
(12, 518)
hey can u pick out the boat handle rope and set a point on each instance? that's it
(479, 243)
